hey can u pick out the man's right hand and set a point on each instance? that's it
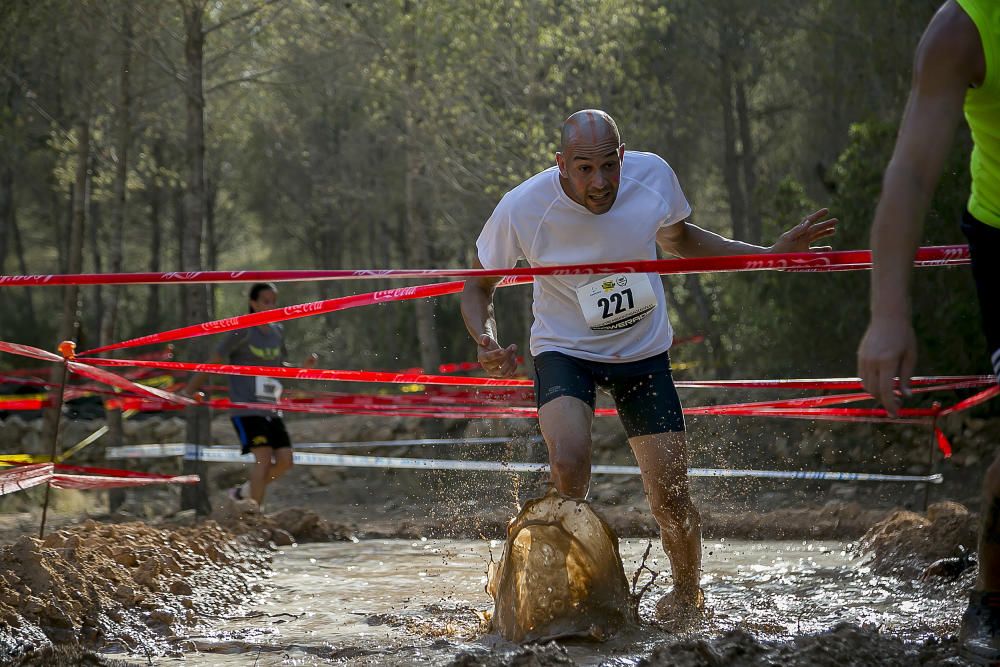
(497, 361)
(887, 351)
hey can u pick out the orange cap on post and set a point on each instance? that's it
(67, 349)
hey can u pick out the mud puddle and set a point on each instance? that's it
(404, 602)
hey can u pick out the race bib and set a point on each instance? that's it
(616, 302)
(268, 389)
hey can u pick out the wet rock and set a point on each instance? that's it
(547, 655)
(845, 644)
(307, 526)
(561, 574)
(281, 537)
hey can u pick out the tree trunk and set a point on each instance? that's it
(211, 242)
(9, 143)
(180, 224)
(81, 194)
(748, 160)
(730, 158)
(69, 324)
(118, 207)
(155, 194)
(418, 241)
(6, 208)
(194, 195)
(29, 301)
(96, 310)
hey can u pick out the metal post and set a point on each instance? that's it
(199, 433)
(115, 438)
(66, 348)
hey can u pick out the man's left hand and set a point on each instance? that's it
(801, 237)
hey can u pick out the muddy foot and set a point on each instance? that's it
(675, 610)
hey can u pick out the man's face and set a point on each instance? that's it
(591, 172)
(266, 300)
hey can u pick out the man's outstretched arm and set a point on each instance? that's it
(945, 66)
(685, 239)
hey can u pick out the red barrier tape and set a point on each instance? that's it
(314, 373)
(945, 254)
(799, 261)
(118, 381)
(942, 442)
(26, 476)
(29, 351)
(973, 401)
(286, 313)
(450, 380)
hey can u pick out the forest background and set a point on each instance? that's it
(254, 134)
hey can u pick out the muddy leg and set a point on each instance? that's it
(662, 459)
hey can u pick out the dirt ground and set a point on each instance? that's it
(139, 576)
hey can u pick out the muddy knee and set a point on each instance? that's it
(571, 470)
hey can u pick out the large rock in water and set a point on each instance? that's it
(561, 574)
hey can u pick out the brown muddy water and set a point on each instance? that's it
(404, 602)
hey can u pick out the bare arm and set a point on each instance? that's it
(199, 379)
(477, 311)
(945, 66)
(685, 239)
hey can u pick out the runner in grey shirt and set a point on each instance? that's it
(261, 431)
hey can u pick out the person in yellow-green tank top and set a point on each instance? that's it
(957, 70)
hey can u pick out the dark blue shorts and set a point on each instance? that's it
(643, 391)
(984, 246)
(260, 431)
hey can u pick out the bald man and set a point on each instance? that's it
(598, 204)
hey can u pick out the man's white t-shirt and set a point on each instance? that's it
(600, 318)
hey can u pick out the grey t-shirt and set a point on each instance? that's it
(257, 346)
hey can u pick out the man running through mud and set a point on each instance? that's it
(957, 66)
(601, 203)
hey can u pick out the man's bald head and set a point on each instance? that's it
(590, 160)
(589, 127)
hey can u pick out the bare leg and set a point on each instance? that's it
(282, 463)
(662, 459)
(261, 472)
(565, 424)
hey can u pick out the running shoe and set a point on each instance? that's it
(979, 638)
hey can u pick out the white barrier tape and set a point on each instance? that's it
(215, 454)
(178, 448)
(146, 451)
(422, 441)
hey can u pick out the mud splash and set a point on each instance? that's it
(561, 574)
(905, 544)
(130, 586)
